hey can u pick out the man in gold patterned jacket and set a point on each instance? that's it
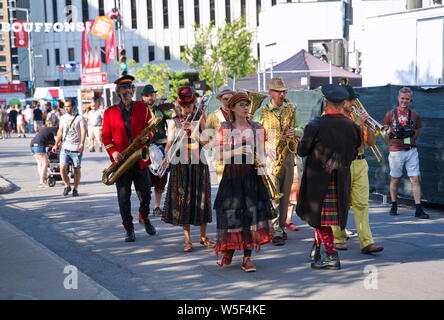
(279, 121)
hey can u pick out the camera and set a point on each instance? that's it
(403, 132)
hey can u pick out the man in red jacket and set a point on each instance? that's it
(123, 123)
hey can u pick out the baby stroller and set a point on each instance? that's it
(54, 174)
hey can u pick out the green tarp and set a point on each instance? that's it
(429, 103)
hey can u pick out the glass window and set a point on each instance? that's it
(71, 54)
(227, 11)
(196, 12)
(85, 10)
(133, 14)
(151, 55)
(167, 53)
(54, 11)
(149, 8)
(212, 11)
(101, 8)
(57, 57)
(243, 8)
(181, 15)
(136, 54)
(165, 14)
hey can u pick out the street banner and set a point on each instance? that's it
(21, 37)
(102, 27)
(12, 88)
(91, 79)
(111, 47)
(86, 44)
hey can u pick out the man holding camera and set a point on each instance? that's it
(404, 126)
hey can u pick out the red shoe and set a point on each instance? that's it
(291, 227)
(226, 260)
(247, 266)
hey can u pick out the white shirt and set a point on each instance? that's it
(71, 137)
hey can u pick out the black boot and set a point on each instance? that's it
(315, 254)
(130, 235)
(331, 262)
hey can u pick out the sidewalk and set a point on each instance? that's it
(5, 186)
(29, 271)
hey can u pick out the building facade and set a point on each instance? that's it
(154, 31)
(5, 47)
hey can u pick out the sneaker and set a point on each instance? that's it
(130, 236)
(247, 266)
(420, 214)
(158, 212)
(92, 150)
(278, 241)
(66, 191)
(149, 228)
(75, 193)
(394, 211)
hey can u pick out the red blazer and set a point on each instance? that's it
(114, 135)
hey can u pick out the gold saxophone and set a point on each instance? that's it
(285, 145)
(269, 184)
(131, 156)
(256, 101)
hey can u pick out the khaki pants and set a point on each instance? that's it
(359, 203)
(96, 134)
(283, 184)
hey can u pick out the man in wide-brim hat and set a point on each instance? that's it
(276, 117)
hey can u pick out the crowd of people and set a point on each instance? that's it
(257, 157)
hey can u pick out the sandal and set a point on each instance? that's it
(207, 243)
(188, 247)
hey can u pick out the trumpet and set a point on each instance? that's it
(181, 134)
(371, 123)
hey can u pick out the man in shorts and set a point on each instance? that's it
(404, 124)
(71, 136)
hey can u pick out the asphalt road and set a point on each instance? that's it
(87, 233)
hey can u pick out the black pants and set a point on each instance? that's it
(142, 183)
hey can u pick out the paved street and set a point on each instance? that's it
(86, 232)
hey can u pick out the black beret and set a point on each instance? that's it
(335, 92)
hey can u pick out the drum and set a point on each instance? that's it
(157, 154)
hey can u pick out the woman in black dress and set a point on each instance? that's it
(188, 199)
(243, 206)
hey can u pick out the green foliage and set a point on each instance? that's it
(176, 81)
(159, 76)
(220, 54)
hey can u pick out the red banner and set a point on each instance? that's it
(93, 79)
(111, 47)
(12, 88)
(21, 37)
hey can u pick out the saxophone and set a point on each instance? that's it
(131, 155)
(285, 146)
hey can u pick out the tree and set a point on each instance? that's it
(176, 81)
(160, 77)
(234, 49)
(218, 55)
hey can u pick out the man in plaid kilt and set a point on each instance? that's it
(330, 143)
